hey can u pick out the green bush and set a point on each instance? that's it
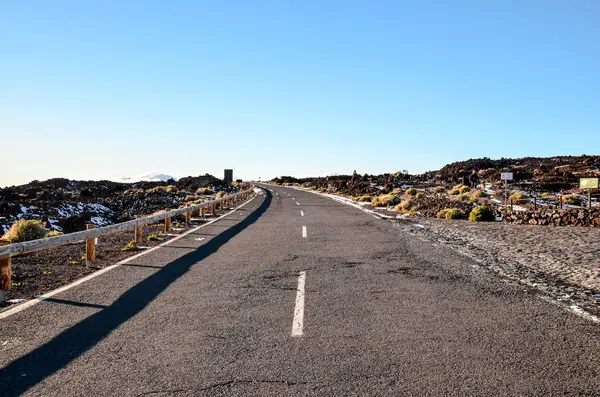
(572, 200)
(482, 214)
(442, 213)
(465, 189)
(53, 233)
(455, 213)
(153, 237)
(397, 191)
(131, 246)
(363, 199)
(440, 189)
(420, 195)
(204, 191)
(463, 197)
(385, 200)
(411, 191)
(25, 230)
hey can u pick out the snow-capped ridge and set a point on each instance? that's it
(148, 177)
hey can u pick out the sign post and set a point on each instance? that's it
(588, 184)
(506, 176)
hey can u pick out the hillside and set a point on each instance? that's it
(551, 174)
(67, 205)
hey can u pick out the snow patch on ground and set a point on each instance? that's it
(101, 215)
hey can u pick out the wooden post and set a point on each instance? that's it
(203, 212)
(589, 198)
(90, 245)
(138, 234)
(5, 273)
(188, 216)
(511, 204)
(560, 201)
(167, 224)
(534, 203)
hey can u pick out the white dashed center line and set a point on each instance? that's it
(304, 235)
(298, 323)
(301, 213)
(297, 203)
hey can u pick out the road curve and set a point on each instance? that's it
(296, 294)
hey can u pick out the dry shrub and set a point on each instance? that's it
(25, 230)
(53, 233)
(385, 200)
(572, 200)
(455, 213)
(406, 206)
(482, 214)
(477, 194)
(363, 199)
(519, 198)
(204, 191)
(131, 246)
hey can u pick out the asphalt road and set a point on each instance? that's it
(272, 302)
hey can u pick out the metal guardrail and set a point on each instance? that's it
(8, 251)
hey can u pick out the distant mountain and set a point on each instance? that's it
(148, 177)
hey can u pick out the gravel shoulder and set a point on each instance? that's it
(563, 262)
(40, 272)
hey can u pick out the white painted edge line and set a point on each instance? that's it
(301, 213)
(97, 273)
(304, 234)
(298, 322)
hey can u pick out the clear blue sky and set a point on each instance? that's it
(103, 89)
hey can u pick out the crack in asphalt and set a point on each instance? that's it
(229, 383)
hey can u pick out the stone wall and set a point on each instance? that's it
(553, 217)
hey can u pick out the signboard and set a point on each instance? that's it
(506, 176)
(588, 183)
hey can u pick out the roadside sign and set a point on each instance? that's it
(506, 176)
(588, 183)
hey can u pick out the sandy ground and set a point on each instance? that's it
(563, 261)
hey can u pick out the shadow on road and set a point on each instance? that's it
(31, 369)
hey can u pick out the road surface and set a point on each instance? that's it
(296, 294)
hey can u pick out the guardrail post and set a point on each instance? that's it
(90, 245)
(203, 212)
(188, 216)
(5, 273)
(138, 234)
(167, 224)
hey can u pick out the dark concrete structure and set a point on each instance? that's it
(228, 178)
